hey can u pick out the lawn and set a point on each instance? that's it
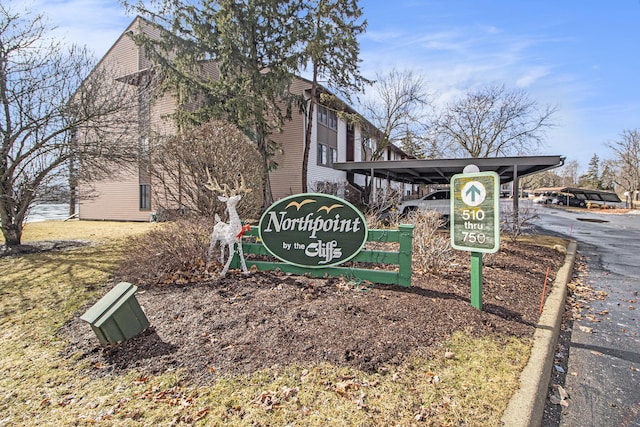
(45, 382)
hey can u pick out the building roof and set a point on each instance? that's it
(594, 195)
(440, 171)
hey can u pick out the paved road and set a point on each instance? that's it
(603, 369)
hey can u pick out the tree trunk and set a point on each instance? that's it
(267, 194)
(308, 131)
(12, 234)
(73, 200)
(11, 220)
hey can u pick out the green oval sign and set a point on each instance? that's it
(313, 230)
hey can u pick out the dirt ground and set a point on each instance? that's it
(240, 324)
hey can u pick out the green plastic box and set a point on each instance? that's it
(117, 316)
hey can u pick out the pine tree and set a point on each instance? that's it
(229, 59)
(592, 177)
(331, 49)
(412, 145)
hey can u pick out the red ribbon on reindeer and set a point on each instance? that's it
(244, 229)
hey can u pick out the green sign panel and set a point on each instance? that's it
(475, 217)
(313, 230)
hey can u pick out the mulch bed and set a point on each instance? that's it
(243, 323)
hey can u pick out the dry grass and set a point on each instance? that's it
(39, 292)
(95, 231)
(543, 240)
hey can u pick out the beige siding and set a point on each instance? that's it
(286, 179)
(116, 199)
(161, 111)
(123, 57)
(143, 27)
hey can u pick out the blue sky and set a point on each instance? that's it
(581, 56)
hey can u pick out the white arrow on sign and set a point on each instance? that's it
(473, 193)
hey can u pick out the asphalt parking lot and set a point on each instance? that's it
(602, 347)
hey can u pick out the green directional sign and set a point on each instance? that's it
(475, 217)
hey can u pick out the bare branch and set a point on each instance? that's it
(493, 121)
(52, 115)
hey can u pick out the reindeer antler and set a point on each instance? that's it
(212, 184)
(242, 188)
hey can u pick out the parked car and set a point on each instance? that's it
(568, 200)
(438, 200)
(545, 198)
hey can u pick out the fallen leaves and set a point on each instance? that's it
(433, 378)
(343, 387)
(353, 389)
(593, 318)
(272, 399)
(559, 396)
(173, 396)
(579, 297)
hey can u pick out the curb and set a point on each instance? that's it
(526, 407)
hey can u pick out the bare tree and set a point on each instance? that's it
(50, 117)
(569, 173)
(547, 178)
(398, 108)
(180, 164)
(627, 151)
(493, 121)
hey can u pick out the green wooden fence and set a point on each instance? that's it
(402, 258)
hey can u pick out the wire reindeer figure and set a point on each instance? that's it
(227, 234)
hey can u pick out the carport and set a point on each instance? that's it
(440, 171)
(584, 194)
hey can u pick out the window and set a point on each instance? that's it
(327, 117)
(327, 136)
(367, 149)
(333, 155)
(145, 197)
(322, 115)
(333, 120)
(437, 195)
(322, 154)
(327, 156)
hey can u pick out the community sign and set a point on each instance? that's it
(313, 230)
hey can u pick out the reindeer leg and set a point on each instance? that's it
(226, 266)
(241, 254)
(210, 252)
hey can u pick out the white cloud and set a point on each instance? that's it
(531, 76)
(381, 36)
(92, 23)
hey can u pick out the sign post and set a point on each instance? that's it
(475, 221)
